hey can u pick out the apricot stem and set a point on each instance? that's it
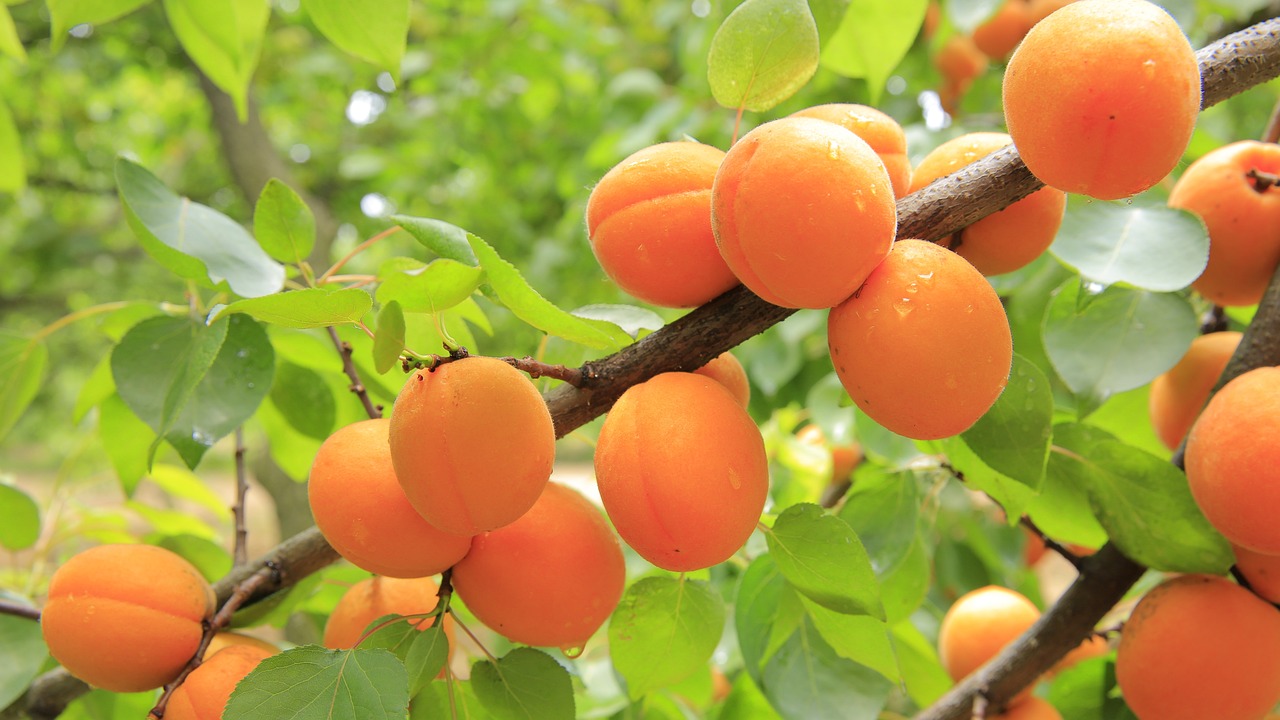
(537, 369)
(1262, 181)
(19, 610)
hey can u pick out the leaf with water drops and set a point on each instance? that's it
(1153, 247)
(762, 54)
(1013, 436)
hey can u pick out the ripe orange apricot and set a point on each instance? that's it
(549, 579)
(1101, 97)
(204, 694)
(1179, 394)
(1008, 239)
(1029, 708)
(1262, 572)
(682, 471)
(1233, 460)
(882, 133)
(1243, 221)
(362, 511)
(978, 626)
(802, 210)
(1200, 647)
(844, 458)
(728, 371)
(375, 597)
(472, 444)
(1001, 33)
(228, 639)
(126, 618)
(924, 348)
(649, 221)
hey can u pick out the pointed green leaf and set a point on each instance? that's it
(1013, 436)
(372, 30)
(22, 652)
(304, 399)
(630, 319)
(19, 518)
(455, 701)
(1012, 495)
(1153, 247)
(766, 611)
(529, 306)
(224, 40)
(442, 238)
(663, 630)
(827, 15)
(922, 673)
(283, 224)
(426, 657)
(192, 240)
(762, 54)
(807, 679)
(306, 308)
(1062, 510)
(524, 684)
(883, 509)
(126, 440)
(873, 38)
(388, 339)
(10, 43)
(311, 682)
(822, 557)
(860, 638)
(431, 288)
(22, 368)
(66, 14)
(179, 482)
(97, 387)
(209, 557)
(13, 172)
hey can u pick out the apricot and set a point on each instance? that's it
(1029, 708)
(1008, 239)
(978, 626)
(1200, 647)
(844, 458)
(362, 511)
(1233, 460)
(682, 471)
(228, 639)
(204, 694)
(126, 618)
(924, 347)
(375, 597)
(550, 578)
(1261, 571)
(802, 210)
(1101, 97)
(1038, 10)
(472, 444)
(882, 133)
(649, 222)
(728, 371)
(1178, 395)
(1000, 34)
(960, 62)
(1243, 221)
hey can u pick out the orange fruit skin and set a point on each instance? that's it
(1008, 239)
(1200, 647)
(204, 694)
(1243, 224)
(1101, 97)
(228, 639)
(472, 444)
(375, 597)
(1001, 33)
(728, 371)
(682, 471)
(549, 579)
(960, 62)
(978, 626)
(880, 131)
(362, 511)
(126, 618)
(1178, 395)
(1029, 708)
(1038, 10)
(896, 343)
(1233, 460)
(1262, 572)
(649, 221)
(802, 210)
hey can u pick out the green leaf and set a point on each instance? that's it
(10, 44)
(525, 684)
(1088, 690)
(429, 288)
(179, 482)
(427, 656)
(372, 30)
(1011, 494)
(192, 240)
(224, 40)
(663, 630)
(1146, 506)
(13, 173)
(1013, 436)
(766, 611)
(922, 672)
(19, 518)
(306, 308)
(746, 702)
(22, 652)
(211, 559)
(762, 54)
(807, 679)
(630, 319)
(904, 588)
(283, 223)
(304, 399)
(827, 15)
(1152, 247)
(66, 14)
(456, 701)
(1062, 510)
(97, 387)
(822, 557)
(127, 441)
(1106, 342)
(529, 306)
(388, 339)
(313, 682)
(873, 38)
(442, 238)
(860, 638)
(22, 368)
(883, 509)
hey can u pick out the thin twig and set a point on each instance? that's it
(1272, 132)
(349, 367)
(1052, 544)
(8, 607)
(241, 553)
(537, 369)
(328, 274)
